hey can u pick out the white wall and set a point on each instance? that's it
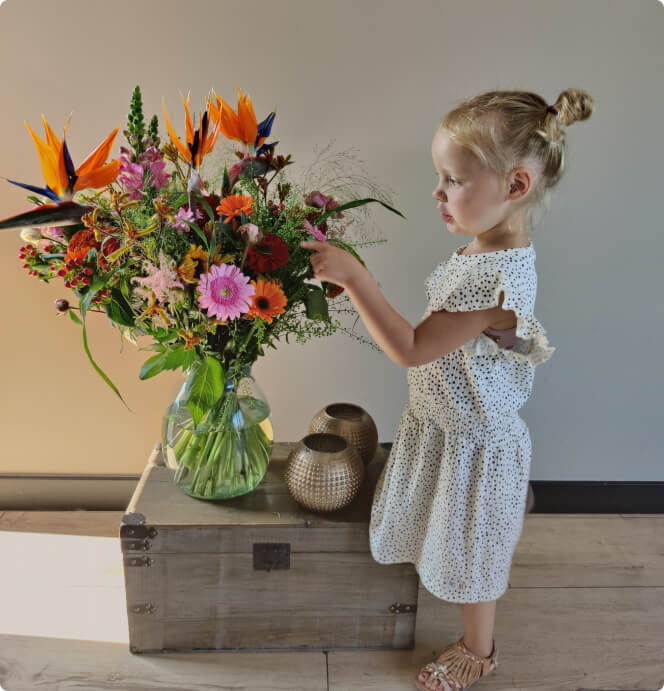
(378, 77)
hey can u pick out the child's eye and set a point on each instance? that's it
(453, 180)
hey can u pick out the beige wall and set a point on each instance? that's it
(376, 76)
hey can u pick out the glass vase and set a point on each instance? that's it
(226, 454)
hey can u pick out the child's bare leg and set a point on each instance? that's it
(479, 619)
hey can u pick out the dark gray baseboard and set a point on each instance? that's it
(63, 492)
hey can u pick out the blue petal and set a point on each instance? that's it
(46, 191)
(265, 147)
(69, 167)
(265, 127)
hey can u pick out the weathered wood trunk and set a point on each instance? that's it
(259, 571)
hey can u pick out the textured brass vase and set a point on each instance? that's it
(324, 472)
(351, 422)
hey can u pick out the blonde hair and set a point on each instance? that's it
(508, 129)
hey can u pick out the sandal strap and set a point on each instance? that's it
(461, 666)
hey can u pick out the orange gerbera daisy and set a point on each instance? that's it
(268, 301)
(232, 207)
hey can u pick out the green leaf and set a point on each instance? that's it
(198, 231)
(99, 370)
(205, 387)
(153, 366)
(93, 289)
(50, 214)
(189, 357)
(174, 358)
(351, 205)
(75, 318)
(119, 310)
(207, 208)
(316, 304)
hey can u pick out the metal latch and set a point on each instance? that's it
(138, 561)
(399, 608)
(271, 555)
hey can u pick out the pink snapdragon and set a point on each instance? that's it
(131, 174)
(152, 159)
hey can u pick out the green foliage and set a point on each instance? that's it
(153, 131)
(136, 126)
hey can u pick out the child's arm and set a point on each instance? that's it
(443, 331)
(393, 333)
(439, 334)
(436, 336)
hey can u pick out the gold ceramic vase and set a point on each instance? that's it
(351, 422)
(324, 472)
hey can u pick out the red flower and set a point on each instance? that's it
(311, 217)
(333, 290)
(108, 247)
(267, 255)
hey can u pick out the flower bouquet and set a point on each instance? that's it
(209, 277)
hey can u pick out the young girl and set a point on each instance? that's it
(451, 498)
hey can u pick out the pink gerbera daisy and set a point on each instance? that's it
(225, 292)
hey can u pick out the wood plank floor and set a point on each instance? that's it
(584, 610)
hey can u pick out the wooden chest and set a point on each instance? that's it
(259, 571)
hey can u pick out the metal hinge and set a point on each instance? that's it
(137, 531)
(133, 533)
(399, 608)
(135, 545)
(138, 561)
(145, 608)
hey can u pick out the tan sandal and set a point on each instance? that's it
(457, 668)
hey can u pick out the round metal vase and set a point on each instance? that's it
(324, 472)
(351, 422)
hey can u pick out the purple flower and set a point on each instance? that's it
(319, 200)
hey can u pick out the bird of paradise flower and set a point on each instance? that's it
(242, 126)
(199, 143)
(62, 180)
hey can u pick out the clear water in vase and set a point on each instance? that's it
(227, 453)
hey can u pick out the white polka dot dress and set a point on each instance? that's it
(451, 498)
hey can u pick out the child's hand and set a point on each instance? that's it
(332, 264)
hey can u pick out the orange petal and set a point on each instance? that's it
(99, 177)
(51, 139)
(98, 157)
(214, 117)
(248, 124)
(48, 157)
(186, 154)
(188, 122)
(230, 125)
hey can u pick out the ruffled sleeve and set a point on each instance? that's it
(461, 286)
